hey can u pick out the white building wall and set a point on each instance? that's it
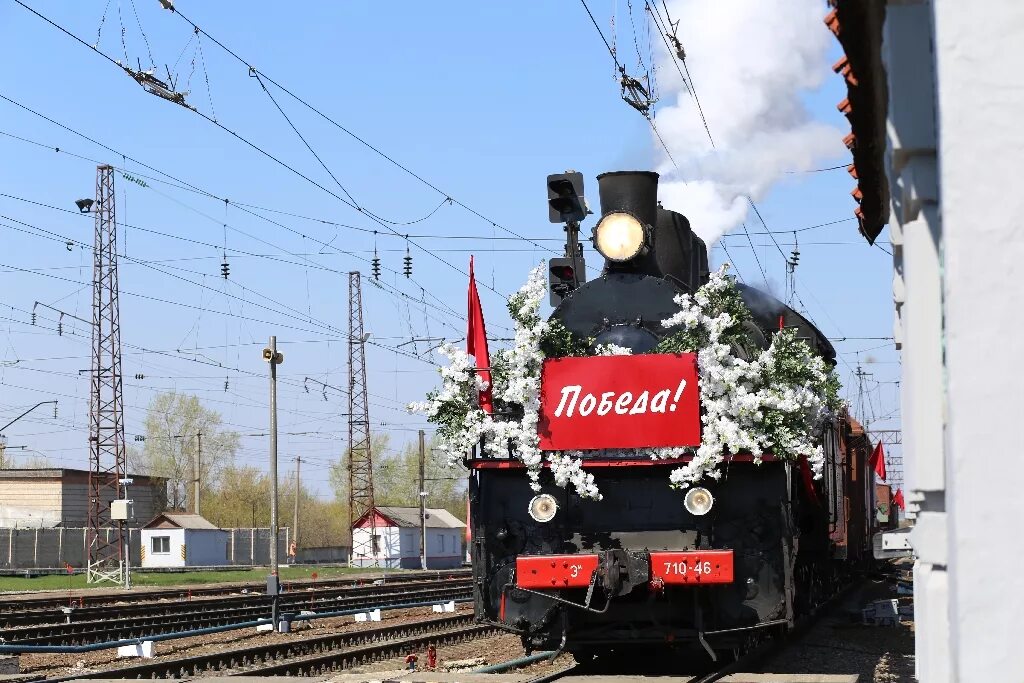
(206, 547)
(980, 101)
(173, 558)
(955, 101)
(402, 547)
(916, 234)
(390, 547)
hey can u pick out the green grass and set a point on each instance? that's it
(77, 581)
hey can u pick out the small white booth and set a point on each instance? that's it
(180, 539)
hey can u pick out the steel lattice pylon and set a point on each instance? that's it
(106, 425)
(360, 461)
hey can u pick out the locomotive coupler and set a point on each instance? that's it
(624, 570)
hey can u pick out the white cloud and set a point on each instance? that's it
(752, 61)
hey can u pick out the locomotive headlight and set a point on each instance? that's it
(698, 501)
(619, 236)
(543, 507)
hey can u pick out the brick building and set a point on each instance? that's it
(59, 497)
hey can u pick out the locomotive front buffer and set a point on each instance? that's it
(619, 572)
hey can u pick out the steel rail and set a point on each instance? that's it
(273, 653)
(53, 601)
(106, 613)
(343, 659)
(65, 637)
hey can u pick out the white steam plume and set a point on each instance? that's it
(751, 61)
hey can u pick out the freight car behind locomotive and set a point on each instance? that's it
(738, 559)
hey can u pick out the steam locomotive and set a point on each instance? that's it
(739, 560)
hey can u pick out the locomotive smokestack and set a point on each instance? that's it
(634, 192)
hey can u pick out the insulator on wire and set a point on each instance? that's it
(375, 265)
(407, 268)
(225, 384)
(33, 317)
(139, 375)
(225, 269)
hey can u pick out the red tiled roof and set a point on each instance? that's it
(858, 26)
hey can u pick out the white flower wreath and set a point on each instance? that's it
(776, 403)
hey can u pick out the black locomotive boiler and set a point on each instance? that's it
(639, 568)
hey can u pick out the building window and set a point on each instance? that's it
(442, 542)
(376, 544)
(161, 545)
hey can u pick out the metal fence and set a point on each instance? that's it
(55, 548)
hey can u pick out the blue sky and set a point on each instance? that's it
(481, 99)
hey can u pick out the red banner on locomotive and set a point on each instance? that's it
(639, 401)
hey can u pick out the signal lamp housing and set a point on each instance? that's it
(698, 501)
(620, 236)
(543, 508)
(565, 197)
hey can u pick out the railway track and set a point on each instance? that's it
(309, 656)
(172, 607)
(210, 613)
(11, 606)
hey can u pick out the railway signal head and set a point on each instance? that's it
(565, 198)
(563, 277)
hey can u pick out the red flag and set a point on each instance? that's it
(808, 477)
(476, 341)
(898, 499)
(877, 460)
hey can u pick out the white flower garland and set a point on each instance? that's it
(775, 403)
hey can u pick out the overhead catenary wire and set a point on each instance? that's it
(84, 336)
(364, 142)
(178, 180)
(622, 71)
(235, 251)
(265, 153)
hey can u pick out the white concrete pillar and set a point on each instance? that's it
(980, 100)
(916, 231)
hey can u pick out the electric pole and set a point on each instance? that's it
(423, 504)
(862, 412)
(295, 518)
(196, 471)
(272, 356)
(105, 560)
(360, 456)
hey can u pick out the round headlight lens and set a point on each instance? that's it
(619, 236)
(543, 507)
(698, 501)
